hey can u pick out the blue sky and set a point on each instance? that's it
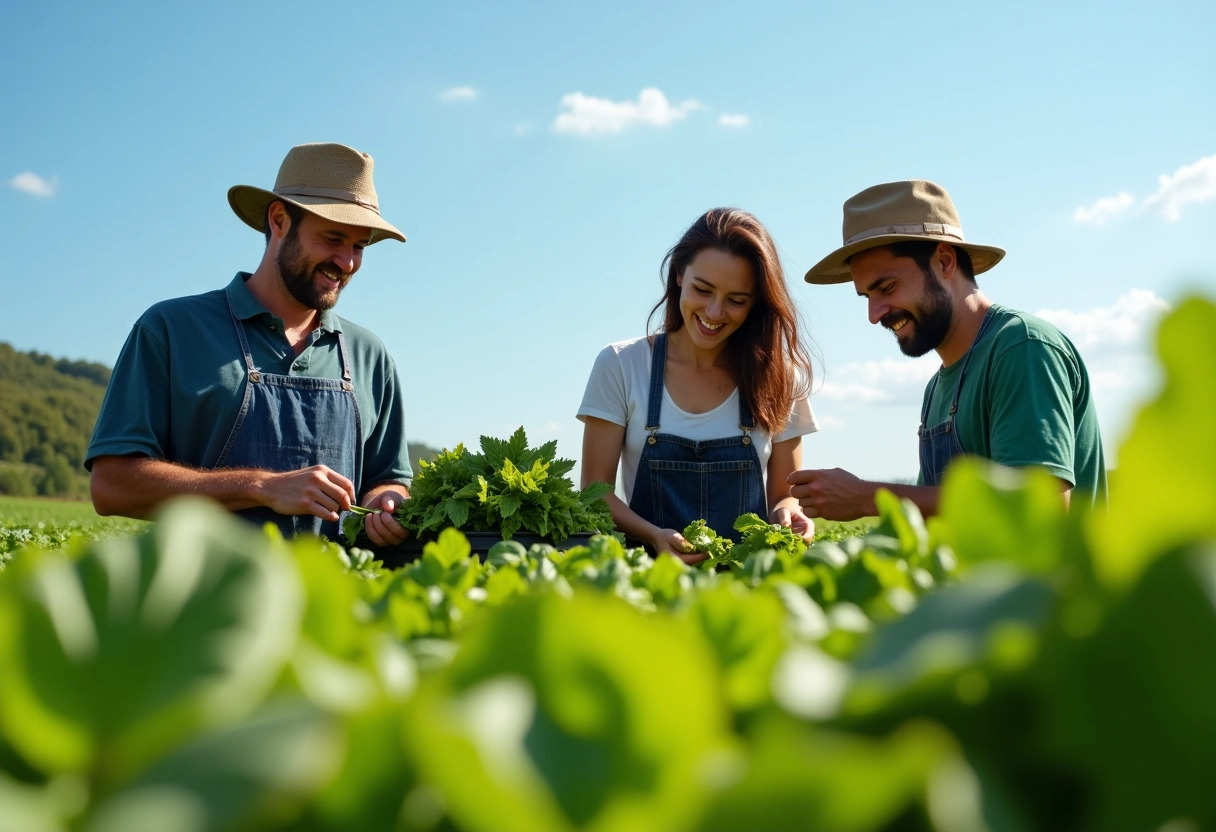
(542, 157)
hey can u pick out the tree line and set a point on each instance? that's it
(48, 407)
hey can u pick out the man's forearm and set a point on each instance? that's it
(137, 486)
(924, 496)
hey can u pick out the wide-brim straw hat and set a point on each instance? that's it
(894, 213)
(330, 180)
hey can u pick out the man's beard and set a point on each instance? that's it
(297, 274)
(931, 322)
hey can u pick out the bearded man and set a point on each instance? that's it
(258, 395)
(1011, 388)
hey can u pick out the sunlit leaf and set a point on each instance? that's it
(142, 642)
(1163, 492)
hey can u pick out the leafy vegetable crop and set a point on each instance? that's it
(506, 488)
(758, 535)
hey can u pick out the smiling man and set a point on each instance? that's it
(1011, 388)
(258, 395)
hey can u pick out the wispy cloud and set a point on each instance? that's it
(733, 120)
(585, 115)
(457, 94)
(888, 381)
(1116, 328)
(1190, 184)
(34, 184)
(1108, 337)
(1104, 209)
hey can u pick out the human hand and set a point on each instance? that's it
(674, 543)
(317, 490)
(795, 521)
(382, 527)
(833, 494)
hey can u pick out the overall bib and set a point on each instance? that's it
(290, 422)
(681, 480)
(940, 443)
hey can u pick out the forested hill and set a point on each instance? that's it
(47, 409)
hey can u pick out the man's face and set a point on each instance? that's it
(906, 300)
(317, 259)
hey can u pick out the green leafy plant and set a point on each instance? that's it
(705, 541)
(507, 488)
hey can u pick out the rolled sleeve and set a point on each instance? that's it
(134, 417)
(605, 396)
(1032, 421)
(385, 449)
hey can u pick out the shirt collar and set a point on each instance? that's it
(246, 306)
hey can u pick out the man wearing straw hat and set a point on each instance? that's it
(258, 395)
(1011, 388)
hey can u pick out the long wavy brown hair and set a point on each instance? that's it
(764, 356)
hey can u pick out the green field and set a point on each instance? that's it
(29, 521)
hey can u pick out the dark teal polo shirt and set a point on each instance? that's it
(180, 380)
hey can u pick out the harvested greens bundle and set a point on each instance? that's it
(757, 536)
(506, 488)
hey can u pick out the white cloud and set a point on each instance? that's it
(1117, 327)
(585, 115)
(458, 94)
(1104, 209)
(1193, 183)
(34, 184)
(888, 381)
(733, 120)
(829, 422)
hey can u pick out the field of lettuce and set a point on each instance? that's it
(1005, 666)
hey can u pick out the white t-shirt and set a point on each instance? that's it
(619, 389)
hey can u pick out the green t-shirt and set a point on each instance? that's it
(1025, 400)
(179, 382)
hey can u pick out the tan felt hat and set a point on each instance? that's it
(893, 213)
(330, 180)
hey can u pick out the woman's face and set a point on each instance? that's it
(717, 291)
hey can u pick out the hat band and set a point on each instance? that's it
(330, 193)
(937, 228)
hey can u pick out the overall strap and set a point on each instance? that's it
(746, 422)
(958, 388)
(347, 384)
(658, 361)
(924, 408)
(240, 334)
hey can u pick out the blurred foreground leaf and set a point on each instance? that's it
(117, 656)
(1164, 491)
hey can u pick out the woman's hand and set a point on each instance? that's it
(795, 521)
(674, 543)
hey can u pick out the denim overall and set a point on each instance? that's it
(290, 422)
(681, 480)
(940, 444)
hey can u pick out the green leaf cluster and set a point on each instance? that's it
(508, 487)
(705, 541)
(757, 535)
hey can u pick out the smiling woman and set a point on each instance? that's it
(705, 418)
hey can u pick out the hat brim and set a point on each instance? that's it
(250, 204)
(835, 267)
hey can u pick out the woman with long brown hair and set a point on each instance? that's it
(705, 418)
